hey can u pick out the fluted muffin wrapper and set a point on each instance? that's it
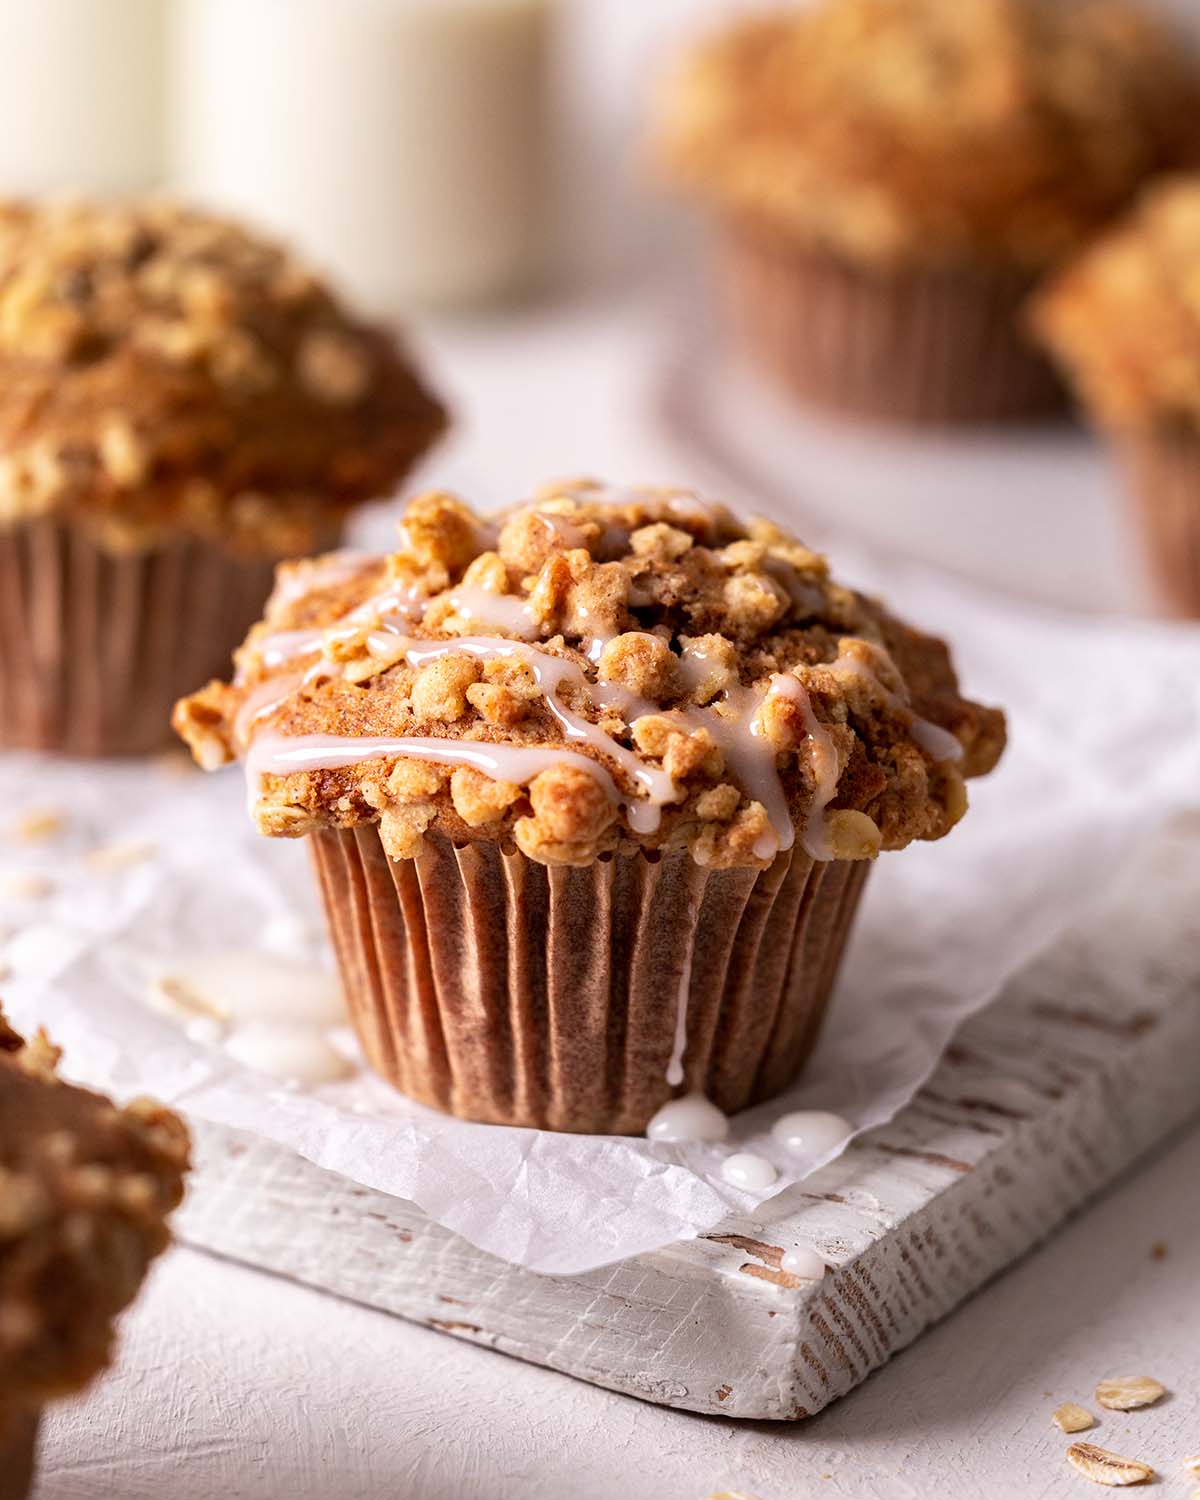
(18, 1449)
(96, 645)
(498, 989)
(1164, 473)
(937, 346)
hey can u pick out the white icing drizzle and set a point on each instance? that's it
(296, 1054)
(692, 1118)
(803, 1263)
(679, 1046)
(753, 1174)
(281, 755)
(811, 1132)
(304, 578)
(938, 743)
(823, 763)
(506, 612)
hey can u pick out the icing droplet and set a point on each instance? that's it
(288, 1052)
(249, 986)
(803, 1262)
(692, 1118)
(811, 1132)
(753, 1174)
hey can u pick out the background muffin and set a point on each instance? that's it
(181, 405)
(892, 175)
(593, 790)
(1124, 321)
(85, 1188)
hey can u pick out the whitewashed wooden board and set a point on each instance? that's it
(1078, 1069)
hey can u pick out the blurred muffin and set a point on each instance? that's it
(1124, 322)
(85, 1188)
(593, 791)
(181, 406)
(892, 175)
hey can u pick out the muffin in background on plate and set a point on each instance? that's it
(592, 790)
(1123, 320)
(892, 176)
(85, 1189)
(182, 405)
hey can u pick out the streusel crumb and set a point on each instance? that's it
(85, 1188)
(165, 371)
(591, 672)
(919, 131)
(1122, 319)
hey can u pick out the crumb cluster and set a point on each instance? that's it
(163, 370)
(84, 1191)
(667, 628)
(915, 131)
(1124, 319)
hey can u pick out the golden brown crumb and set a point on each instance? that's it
(1071, 1417)
(699, 683)
(163, 370)
(920, 131)
(1122, 318)
(85, 1188)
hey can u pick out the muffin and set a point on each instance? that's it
(593, 789)
(181, 406)
(85, 1188)
(891, 177)
(1124, 322)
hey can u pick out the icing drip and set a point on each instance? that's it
(811, 1132)
(803, 1263)
(280, 755)
(753, 1174)
(823, 763)
(505, 612)
(692, 1118)
(938, 743)
(551, 673)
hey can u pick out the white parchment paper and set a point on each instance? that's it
(1105, 723)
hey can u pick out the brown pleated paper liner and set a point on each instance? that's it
(914, 346)
(18, 1446)
(1165, 485)
(96, 646)
(498, 989)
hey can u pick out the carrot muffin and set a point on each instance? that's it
(1124, 322)
(181, 406)
(85, 1188)
(593, 789)
(891, 176)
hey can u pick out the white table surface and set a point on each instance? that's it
(331, 1401)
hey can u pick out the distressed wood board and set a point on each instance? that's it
(1086, 1061)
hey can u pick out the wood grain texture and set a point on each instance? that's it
(1077, 1069)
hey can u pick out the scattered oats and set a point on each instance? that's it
(26, 887)
(39, 823)
(1103, 1467)
(1192, 1465)
(118, 856)
(1127, 1392)
(177, 996)
(1073, 1418)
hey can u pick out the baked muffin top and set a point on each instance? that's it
(1124, 317)
(933, 131)
(164, 370)
(84, 1191)
(594, 671)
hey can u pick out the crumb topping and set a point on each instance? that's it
(594, 671)
(919, 131)
(1124, 318)
(84, 1191)
(161, 369)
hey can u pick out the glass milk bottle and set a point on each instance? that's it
(401, 142)
(81, 94)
